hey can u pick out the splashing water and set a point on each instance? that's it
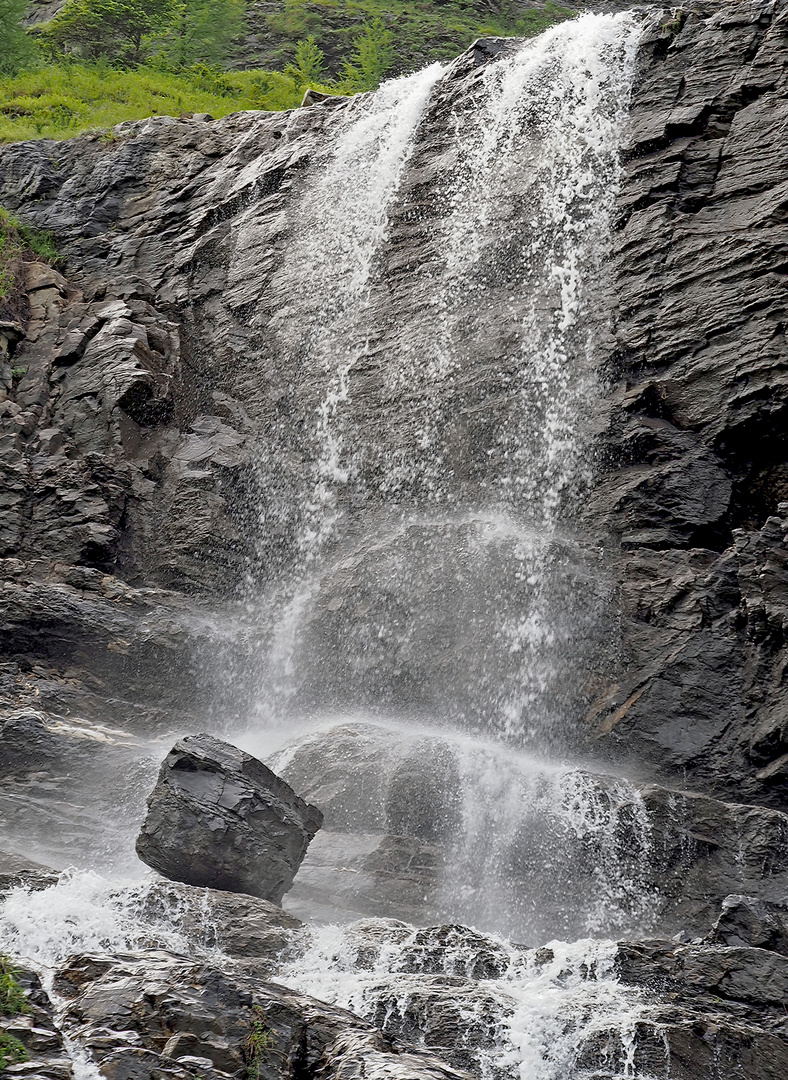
(84, 912)
(524, 1014)
(465, 385)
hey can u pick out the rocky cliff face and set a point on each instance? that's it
(157, 435)
(697, 455)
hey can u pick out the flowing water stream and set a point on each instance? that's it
(439, 601)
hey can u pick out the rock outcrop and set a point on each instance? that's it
(697, 490)
(155, 1014)
(157, 444)
(217, 817)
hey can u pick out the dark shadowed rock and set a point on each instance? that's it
(703, 849)
(747, 920)
(715, 1012)
(27, 744)
(219, 818)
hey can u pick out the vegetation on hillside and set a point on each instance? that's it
(18, 244)
(424, 30)
(16, 46)
(59, 101)
(12, 1003)
(100, 62)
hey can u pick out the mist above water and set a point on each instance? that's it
(440, 573)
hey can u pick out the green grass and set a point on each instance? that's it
(60, 101)
(12, 996)
(12, 1052)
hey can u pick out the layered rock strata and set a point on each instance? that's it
(148, 414)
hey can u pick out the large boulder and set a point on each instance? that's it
(217, 817)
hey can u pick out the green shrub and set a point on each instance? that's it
(12, 1052)
(12, 996)
(198, 32)
(16, 46)
(308, 64)
(372, 58)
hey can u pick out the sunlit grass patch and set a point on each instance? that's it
(60, 101)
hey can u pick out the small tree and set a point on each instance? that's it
(113, 29)
(372, 57)
(308, 63)
(16, 47)
(201, 32)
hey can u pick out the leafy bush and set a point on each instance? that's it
(176, 53)
(16, 47)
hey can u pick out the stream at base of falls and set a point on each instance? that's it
(433, 617)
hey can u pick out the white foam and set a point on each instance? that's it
(548, 1004)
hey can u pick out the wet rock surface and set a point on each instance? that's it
(696, 494)
(17, 870)
(154, 1014)
(149, 420)
(45, 1054)
(217, 817)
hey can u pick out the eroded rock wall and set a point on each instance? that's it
(150, 416)
(697, 476)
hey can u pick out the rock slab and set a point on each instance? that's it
(219, 818)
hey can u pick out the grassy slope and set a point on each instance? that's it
(59, 101)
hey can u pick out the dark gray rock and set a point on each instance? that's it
(140, 1014)
(695, 453)
(716, 1012)
(218, 817)
(27, 744)
(16, 871)
(748, 920)
(702, 849)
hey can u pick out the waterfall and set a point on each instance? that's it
(451, 401)
(450, 324)
(432, 612)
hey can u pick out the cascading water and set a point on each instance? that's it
(429, 597)
(451, 445)
(439, 574)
